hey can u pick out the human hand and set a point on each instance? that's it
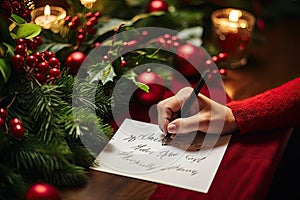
(206, 115)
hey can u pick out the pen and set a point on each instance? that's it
(185, 108)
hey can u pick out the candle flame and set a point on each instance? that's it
(47, 10)
(234, 15)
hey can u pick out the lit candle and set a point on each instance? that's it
(46, 20)
(233, 32)
(88, 3)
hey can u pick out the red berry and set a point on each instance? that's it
(157, 5)
(3, 113)
(215, 59)
(18, 130)
(39, 56)
(21, 41)
(105, 58)
(209, 63)
(54, 73)
(223, 72)
(81, 31)
(54, 62)
(17, 63)
(32, 61)
(16, 4)
(2, 122)
(222, 56)
(93, 20)
(68, 19)
(123, 63)
(43, 67)
(97, 14)
(49, 54)
(80, 38)
(40, 77)
(97, 44)
(24, 15)
(71, 25)
(89, 15)
(39, 40)
(15, 121)
(89, 24)
(32, 44)
(91, 31)
(75, 20)
(20, 49)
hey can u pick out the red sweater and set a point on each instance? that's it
(275, 108)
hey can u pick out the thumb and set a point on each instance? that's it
(183, 125)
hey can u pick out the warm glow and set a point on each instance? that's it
(47, 10)
(234, 15)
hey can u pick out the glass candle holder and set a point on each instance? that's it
(48, 17)
(232, 33)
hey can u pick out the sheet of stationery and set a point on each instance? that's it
(189, 161)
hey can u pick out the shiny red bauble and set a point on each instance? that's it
(74, 61)
(42, 191)
(156, 86)
(189, 60)
(157, 5)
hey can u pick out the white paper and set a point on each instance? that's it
(136, 151)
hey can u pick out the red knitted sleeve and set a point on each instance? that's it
(275, 108)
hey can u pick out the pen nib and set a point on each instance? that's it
(166, 140)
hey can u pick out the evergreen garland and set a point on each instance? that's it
(52, 150)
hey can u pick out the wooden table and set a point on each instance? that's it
(274, 59)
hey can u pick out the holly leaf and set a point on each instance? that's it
(5, 72)
(17, 19)
(104, 74)
(147, 15)
(142, 86)
(132, 76)
(9, 52)
(26, 31)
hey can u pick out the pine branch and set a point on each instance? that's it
(11, 183)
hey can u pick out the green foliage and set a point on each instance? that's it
(4, 72)
(52, 148)
(20, 29)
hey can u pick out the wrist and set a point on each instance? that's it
(230, 124)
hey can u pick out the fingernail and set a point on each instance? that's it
(172, 128)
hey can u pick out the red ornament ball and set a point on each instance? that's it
(42, 191)
(156, 86)
(189, 60)
(157, 5)
(74, 61)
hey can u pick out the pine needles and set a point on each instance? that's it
(60, 141)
